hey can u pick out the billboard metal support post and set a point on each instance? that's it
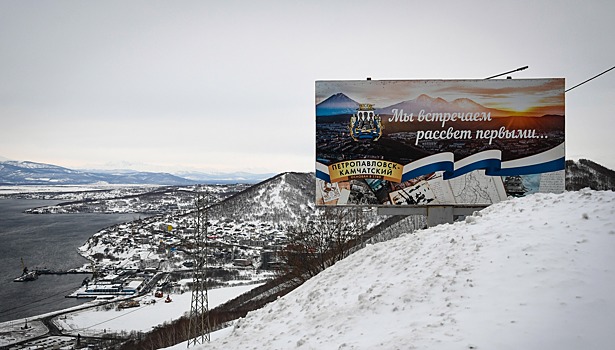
(439, 215)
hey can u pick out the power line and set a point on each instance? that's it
(592, 78)
(110, 319)
(7, 311)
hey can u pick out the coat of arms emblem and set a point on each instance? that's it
(365, 124)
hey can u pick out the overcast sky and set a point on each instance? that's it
(229, 85)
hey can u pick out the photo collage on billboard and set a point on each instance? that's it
(438, 142)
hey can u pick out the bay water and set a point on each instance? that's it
(43, 241)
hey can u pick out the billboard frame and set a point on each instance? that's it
(491, 159)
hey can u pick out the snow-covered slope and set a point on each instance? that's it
(528, 273)
(281, 199)
(585, 173)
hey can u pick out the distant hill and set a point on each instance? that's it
(289, 195)
(586, 173)
(31, 173)
(224, 178)
(281, 199)
(579, 174)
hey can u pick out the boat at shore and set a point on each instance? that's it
(26, 275)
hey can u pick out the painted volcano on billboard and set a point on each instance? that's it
(336, 105)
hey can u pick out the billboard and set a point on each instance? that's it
(438, 142)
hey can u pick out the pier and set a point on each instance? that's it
(60, 272)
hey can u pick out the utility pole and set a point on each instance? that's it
(199, 328)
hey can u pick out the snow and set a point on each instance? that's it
(19, 330)
(528, 273)
(213, 337)
(146, 316)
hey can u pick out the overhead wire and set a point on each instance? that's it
(525, 67)
(592, 78)
(112, 318)
(7, 311)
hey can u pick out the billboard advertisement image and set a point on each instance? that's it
(438, 142)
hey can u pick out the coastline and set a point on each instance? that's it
(43, 242)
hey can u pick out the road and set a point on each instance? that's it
(102, 341)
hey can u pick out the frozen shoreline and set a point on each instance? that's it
(90, 319)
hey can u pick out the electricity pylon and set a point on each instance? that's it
(199, 329)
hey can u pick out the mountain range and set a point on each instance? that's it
(579, 174)
(340, 104)
(431, 104)
(31, 173)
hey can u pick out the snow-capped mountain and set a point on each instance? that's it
(224, 178)
(31, 173)
(338, 104)
(526, 273)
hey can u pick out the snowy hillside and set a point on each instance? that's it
(585, 173)
(528, 273)
(282, 198)
(251, 220)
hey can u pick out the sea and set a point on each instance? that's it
(43, 241)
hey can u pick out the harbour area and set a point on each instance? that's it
(48, 245)
(122, 284)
